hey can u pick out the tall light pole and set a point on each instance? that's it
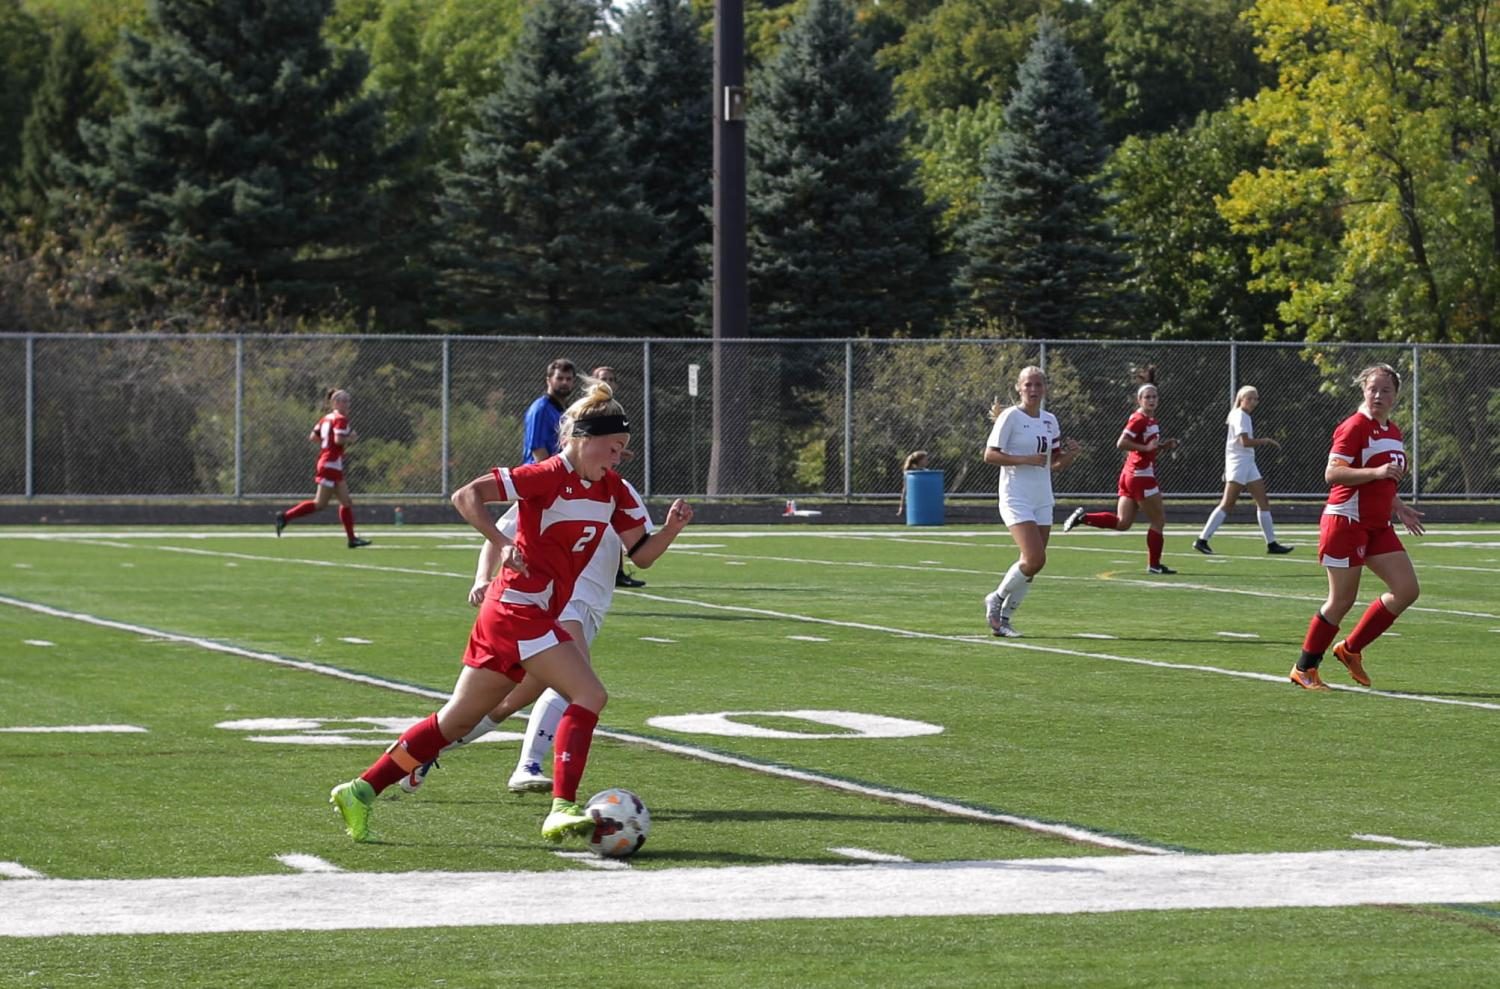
(731, 429)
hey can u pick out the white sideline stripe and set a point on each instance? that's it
(590, 859)
(865, 855)
(1238, 635)
(1385, 839)
(37, 642)
(355, 640)
(383, 900)
(807, 638)
(15, 870)
(307, 863)
(652, 638)
(74, 729)
(1068, 832)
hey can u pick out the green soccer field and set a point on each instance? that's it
(851, 781)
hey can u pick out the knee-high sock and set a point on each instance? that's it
(1267, 528)
(541, 729)
(1154, 543)
(1376, 619)
(1320, 633)
(575, 732)
(300, 509)
(486, 725)
(346, 516)
(1212, 525)
(1101, 520)
(1013, 588)
(418, 744)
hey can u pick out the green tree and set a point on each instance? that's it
(1041, 256)
(841, 241)
(545, 228)
(659, 73)
(247, 158)
(1191, 272)
(949, 152)
(70, 92)
(23, 48)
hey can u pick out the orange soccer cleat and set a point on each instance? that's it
(1308, 679)
(1353, 662)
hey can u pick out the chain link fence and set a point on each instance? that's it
(204, 417)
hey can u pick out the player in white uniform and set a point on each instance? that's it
(583, 616)
(1240, 472)
(1026, 444)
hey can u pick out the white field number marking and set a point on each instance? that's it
(858, 725)
(338, 731)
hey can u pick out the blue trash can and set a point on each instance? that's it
(924, 497)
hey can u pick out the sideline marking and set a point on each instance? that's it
(1385, 839)
(75, 729)
(1238, 635)
(352, 900)
(590, 859)
(307, 863)
(865, 855)
(1068, 832)
(356, 640)
(807, 638)
(15, 870)
(37, 642)
(653, 638)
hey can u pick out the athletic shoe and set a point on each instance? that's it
(353, 800)
(356, 543)
(1276, 549)
(623, 579)
(992, 609)
(1308, 679)
(567, 818)
(1160, 568)
(280, 523)
(1006, 630)
(528, 779)
(1353, 662)
(1202, 546)
(1074, 519)
(418, 776)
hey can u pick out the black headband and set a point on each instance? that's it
(601, 425)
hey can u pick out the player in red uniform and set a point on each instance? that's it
(1141, 439)
(1365, 465)
(332, 434)
(565, 502)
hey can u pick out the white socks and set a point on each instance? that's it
(485, 726)
(1212, 525)
(541, 728)
(1013, 588)
(1266, 528)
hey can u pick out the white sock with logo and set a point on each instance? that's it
(1013, 588)
(541, 729)
(1269, 530)
(1212, 525)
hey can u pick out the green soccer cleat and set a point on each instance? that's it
(567, 818)
(354, 800)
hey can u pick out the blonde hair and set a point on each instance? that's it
(334, 393)
(997, 406)
(915, 460)
(598, 400)
(1239, 396)
(1366, 374)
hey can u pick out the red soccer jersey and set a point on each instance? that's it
(1141, 428)
(332, 430)
(1360, 441)
(559, 523)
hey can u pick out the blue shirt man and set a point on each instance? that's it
(544, 417)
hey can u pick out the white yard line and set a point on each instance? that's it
(15, 870)
(306, 863)
(350, 901)
(1385, 839)
(73, 729)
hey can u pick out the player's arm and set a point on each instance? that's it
(1127, 441)
(470, 501)
(1409, 517)
(1065, 452)
(535, 441)
(1341, 470)
(994, 452)
(1251, 442)
(647, 549)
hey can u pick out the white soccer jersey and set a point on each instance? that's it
(1019, 434)
(1237, 454)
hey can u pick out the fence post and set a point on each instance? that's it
(239, 416)
(646, 416)
(31, 415)
(1234, 370)
(447, 363)
(1416, 423)
(848, 417)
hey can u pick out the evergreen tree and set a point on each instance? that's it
(1040, 254)
(545, 228)
(69, 93)
(841, 241)
(247, 158)
(23, 47)
(659, 72)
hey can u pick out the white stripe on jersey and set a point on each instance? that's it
(541, 599)
(576, 510)
(1375, 447)
(1348, 509)
(507, 486)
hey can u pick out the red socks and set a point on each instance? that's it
(346, 516)
(1320, 633)
(1153, 546)
(570, 751)
(300, 509)
(1102, 520)
(420, 744)
(1376, 619)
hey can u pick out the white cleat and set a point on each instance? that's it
(1006, 630)
(992, 611)
(414, 779)
(1074, 519)
(529, 779)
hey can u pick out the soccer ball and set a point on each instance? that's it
(621, 823)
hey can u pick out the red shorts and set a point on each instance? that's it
(1343, 542)
(328, 477)
(1137, 488)
(506, 635)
